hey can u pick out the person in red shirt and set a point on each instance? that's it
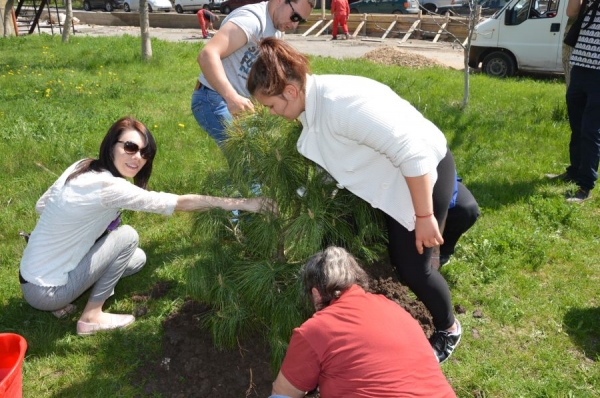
(357, 344)
(206, 18)
(340, 10)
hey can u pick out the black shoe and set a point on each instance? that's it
(564, 177)
(578, 196)
(334, 38)
(444, 343)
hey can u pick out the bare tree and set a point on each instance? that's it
(145, 31)
(472, 20)
(66, 33)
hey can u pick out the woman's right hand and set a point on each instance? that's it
(263, 205)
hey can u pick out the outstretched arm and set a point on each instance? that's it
(193, 202)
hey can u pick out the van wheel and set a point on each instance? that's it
(179, 9)
(109, 7)
(126, 7)
(226, 10)
(499, 64)
(87, 6)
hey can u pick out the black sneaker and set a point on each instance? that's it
(564, 177)
(444, 343)
(334, 38)
(578, 196)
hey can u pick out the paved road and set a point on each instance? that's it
(447, 53)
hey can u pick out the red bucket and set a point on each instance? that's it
(12, 353)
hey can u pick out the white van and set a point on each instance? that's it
(153, 5)
(525, 35)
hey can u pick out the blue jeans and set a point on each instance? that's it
(211, 113)
(583, 105)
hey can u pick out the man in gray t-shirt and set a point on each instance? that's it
(226, 60)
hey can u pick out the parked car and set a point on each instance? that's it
(153, 5)
(385, 7)
(229, 5)
(214, 5)
(107, 5)
(182, 6)
(441, 6)
(328, 4)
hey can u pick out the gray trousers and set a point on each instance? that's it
(112, 257)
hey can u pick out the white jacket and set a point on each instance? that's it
(369, 139)
(74, 215)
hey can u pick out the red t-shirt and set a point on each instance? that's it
(364, 345)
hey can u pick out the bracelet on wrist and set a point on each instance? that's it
(427, 216)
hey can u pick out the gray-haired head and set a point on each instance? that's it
(332, 272)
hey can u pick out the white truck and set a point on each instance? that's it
(524, 35)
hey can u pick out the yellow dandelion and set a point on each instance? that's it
(181, 125)
(156, 126)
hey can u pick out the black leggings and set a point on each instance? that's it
(415, 269)
(460, 218)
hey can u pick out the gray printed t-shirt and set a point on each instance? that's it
(255, 21)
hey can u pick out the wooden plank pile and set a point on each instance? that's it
(402, 26)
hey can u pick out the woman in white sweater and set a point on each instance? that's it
(383, 150)
(78, 243)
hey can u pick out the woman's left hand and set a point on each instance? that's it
(427, 233)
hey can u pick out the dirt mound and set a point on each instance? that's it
(393, 56)
(191, 366)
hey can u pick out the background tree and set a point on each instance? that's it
(7, 14)
(66, 33)
(145, 31)
(473, 19)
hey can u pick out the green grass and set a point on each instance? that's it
(530, 265)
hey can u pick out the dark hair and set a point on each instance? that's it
(332, 272)
(105, 159)
(278, 64)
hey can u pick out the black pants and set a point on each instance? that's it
(415, 269)
(583, 105)
(460, 218)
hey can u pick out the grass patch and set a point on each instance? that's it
(530, 265)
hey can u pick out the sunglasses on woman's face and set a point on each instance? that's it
(131, 148)
(295, 16)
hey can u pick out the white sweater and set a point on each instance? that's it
(369, 139)
(74, 215)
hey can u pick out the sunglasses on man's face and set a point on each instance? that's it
(295, 16)
(131, 148)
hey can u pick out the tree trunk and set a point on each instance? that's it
(8, 21)
(66, 33)
(145, 31)
(474, 13)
